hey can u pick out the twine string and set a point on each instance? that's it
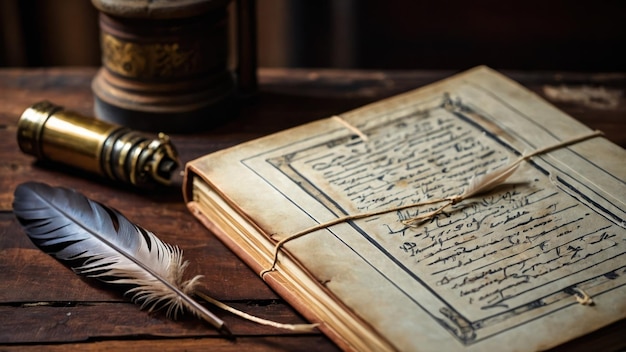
(351, 127)
(478, 186)
(582, 297)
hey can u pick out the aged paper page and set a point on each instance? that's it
(511, 266)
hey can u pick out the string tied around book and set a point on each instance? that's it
(351, 127)
(478, 185)
(582, 297)
(267, 322)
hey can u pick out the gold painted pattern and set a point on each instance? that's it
(158, 60)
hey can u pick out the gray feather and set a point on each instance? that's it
(98, 241)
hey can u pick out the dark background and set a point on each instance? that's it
(390, 34)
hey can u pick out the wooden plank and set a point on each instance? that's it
(36, 276)
(47, 322)
(248, 344)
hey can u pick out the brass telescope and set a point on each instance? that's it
(49, 132)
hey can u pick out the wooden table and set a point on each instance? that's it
(43, 305)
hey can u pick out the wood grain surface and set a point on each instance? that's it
(44, 306)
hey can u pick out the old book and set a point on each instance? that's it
(528, 263)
